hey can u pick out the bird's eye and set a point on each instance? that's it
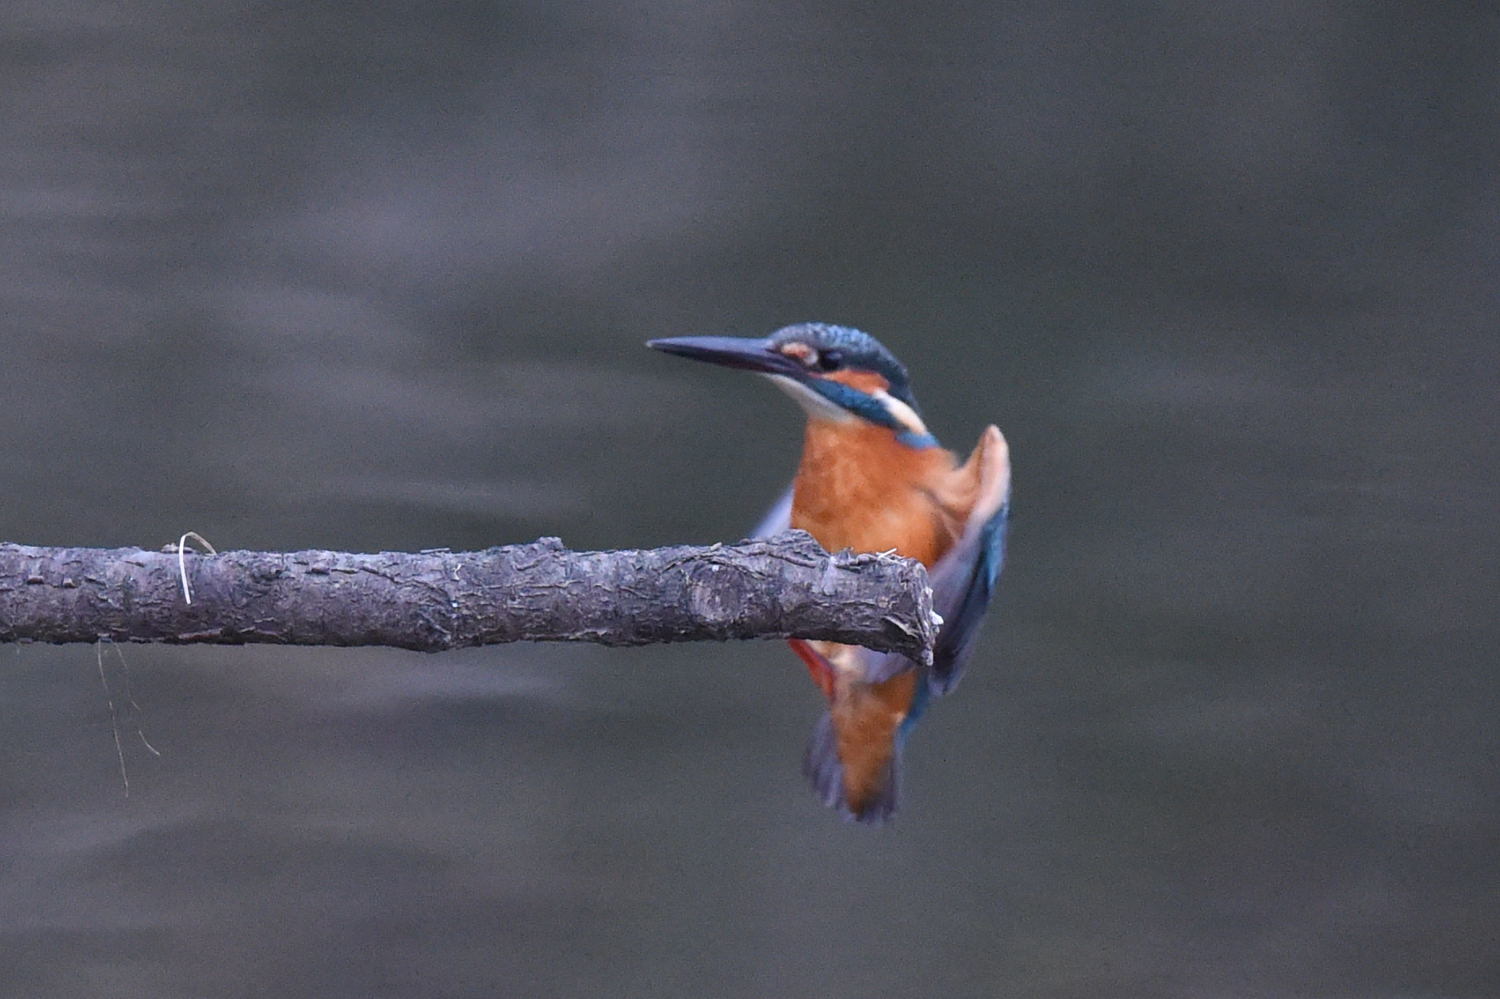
(829, 360)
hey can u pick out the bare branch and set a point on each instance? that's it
(780, 587)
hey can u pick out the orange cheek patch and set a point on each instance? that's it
(864, 381)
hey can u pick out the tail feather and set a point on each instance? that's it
(875, 803)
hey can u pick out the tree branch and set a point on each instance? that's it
(780, 587)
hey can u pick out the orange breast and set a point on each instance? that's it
(859, 488)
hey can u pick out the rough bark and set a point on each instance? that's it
(785, 586)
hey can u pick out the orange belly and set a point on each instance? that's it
(859, 488)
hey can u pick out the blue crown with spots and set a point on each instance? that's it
(849, 348)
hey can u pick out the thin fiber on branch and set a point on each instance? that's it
(779, 587)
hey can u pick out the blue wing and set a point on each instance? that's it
(964, 579)
(961, 624)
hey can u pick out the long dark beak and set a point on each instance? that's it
(744, 353)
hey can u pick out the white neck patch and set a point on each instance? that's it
(904, 414)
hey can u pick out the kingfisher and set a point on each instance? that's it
(873, 478)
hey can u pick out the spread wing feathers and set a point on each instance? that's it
(964, 578)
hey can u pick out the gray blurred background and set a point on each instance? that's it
(377, 275)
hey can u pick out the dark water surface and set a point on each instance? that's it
(377, 276)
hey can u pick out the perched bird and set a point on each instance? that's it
(874, 479)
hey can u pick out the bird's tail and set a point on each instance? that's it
(853, 759)
(874, 802)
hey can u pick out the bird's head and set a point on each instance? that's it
(834, 373)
